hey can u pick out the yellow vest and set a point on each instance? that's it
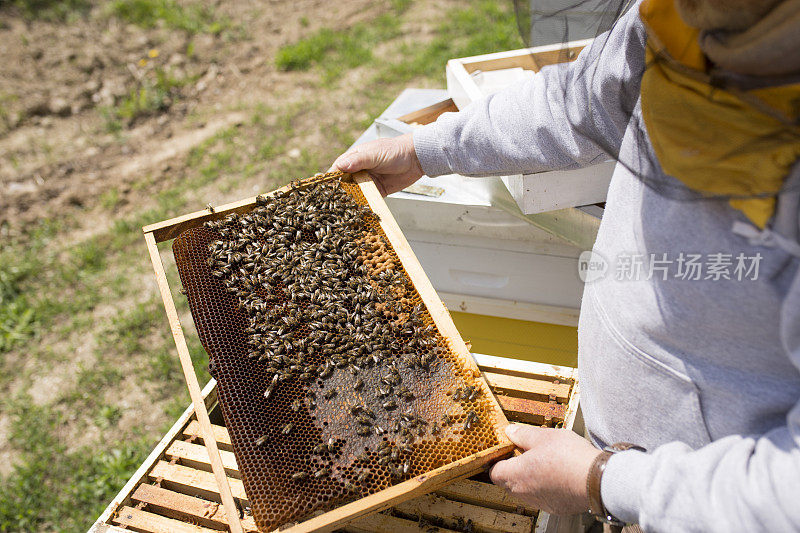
(720, 142)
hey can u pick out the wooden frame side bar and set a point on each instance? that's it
(200, 410)
(439, 313)
(533, 58)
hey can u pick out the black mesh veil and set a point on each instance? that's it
(545, 22)
(689, 160)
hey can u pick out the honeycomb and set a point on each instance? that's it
(333, 380)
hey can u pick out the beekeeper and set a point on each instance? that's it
(689, 346)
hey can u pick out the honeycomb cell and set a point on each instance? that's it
(332, 377)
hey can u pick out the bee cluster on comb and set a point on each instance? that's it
(335, 382)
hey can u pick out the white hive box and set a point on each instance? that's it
(473, 78)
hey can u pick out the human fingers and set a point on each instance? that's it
(368, 156)
(503, 472)
(525, 436)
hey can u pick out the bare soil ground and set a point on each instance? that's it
(57, 153)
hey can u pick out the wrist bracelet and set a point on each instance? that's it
(594, 480)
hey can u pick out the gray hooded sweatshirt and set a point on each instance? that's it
(703, 369)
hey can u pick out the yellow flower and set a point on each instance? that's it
(142, 62)
(153, 53)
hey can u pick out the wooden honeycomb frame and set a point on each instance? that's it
(423, 484)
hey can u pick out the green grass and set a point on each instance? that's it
(192, 18)
(484, 26)
(157, 90)
(17, 316)
(50, 10)
(53, 488)
(338, 50)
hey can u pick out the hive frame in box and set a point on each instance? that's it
(169, 229)
(543, 191)
(163, 493)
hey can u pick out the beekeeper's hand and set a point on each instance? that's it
(551, 473)
(392, 163)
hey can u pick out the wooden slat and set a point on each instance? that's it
(401, 492)
(429, 114)
(534, 389)
(485, 495)
(209, 397)
(382, 523)
(484, 520)
(531, 411)
(196, 456)
(192, 384)
(169, 229)
(221, 434)
(190, 481)
(185, 507)
(529, 369)
(527, 58)
(139, 520)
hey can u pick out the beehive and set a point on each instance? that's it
(354, 389)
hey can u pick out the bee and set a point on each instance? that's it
(349, 487)
(475, 391)
(326, 371)
(210, 207)
(300, 476)
(362, 476)
(262, 440)
(328, 394)
(287, 428)
(319, 449)
(363, 420)
(472, 418)
(359, 384)
(322, 472)
(390, 405)
(297, 405)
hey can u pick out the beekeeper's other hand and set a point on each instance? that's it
(392, 163)
(551, 473)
